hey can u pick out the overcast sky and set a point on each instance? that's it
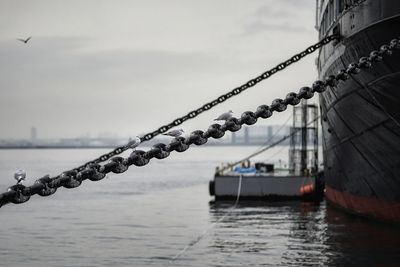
(126, 67)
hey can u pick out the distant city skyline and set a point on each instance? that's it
(255, 135)
(257, 130)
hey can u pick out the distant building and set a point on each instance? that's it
(246, 135)
(269, 129)
(257, 135)
(33, 134)
(233, 138)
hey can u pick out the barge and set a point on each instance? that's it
(262, 181)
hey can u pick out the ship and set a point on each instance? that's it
(361, 117)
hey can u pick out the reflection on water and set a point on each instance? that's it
(278, 233)
(300, 234)
(362, 242)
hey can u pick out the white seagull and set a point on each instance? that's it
(134, 142)
(20, 176)
(225, 116)
(174, 133)
(24, 40)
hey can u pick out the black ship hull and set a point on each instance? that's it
(361, 117)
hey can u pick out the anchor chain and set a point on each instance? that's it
(46, 186)
(222, 98)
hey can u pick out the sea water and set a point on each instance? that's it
(162, 215)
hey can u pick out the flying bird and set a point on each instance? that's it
(24, 40)
(174, 133)
(225, 116)
(20, 176)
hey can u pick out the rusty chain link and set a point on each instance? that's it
(70, 179)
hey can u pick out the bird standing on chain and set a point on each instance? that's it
(20, 176)
(225, 116)
(134, 142)
(174, 133)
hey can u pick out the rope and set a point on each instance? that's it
(260, 149)
(196, 240)
(266, 148)
(273, 155)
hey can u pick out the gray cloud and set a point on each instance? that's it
(304, 4)
(258, 26)
(283, 17)
(267, 12)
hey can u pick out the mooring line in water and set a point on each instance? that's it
(259, 151)
(47, 186)
(207, 231)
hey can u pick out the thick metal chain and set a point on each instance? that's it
(222, 98)
(47, 186)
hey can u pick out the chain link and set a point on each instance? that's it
(93, 171)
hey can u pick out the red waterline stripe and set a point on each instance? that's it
(365, 206)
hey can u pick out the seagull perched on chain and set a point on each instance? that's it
(134, 142)
(225, 116)
(20, 176)
(174, 133)
(24, 40)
